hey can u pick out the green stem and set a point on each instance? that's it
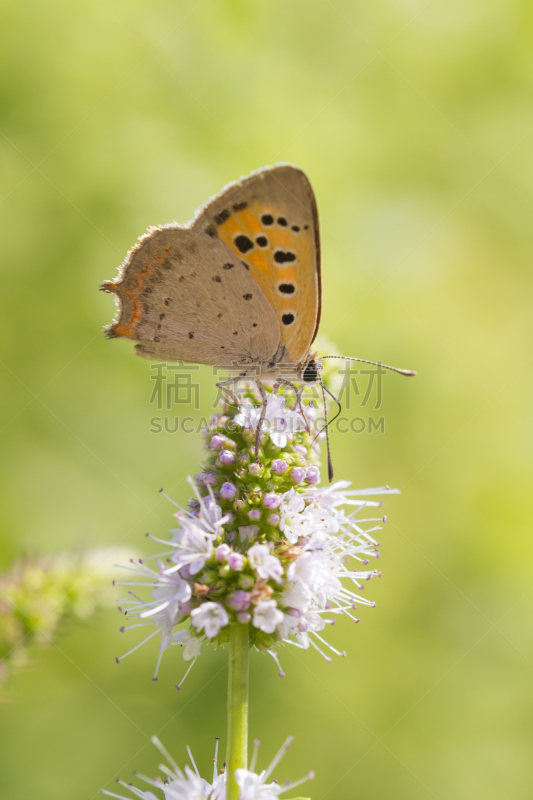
(237, 752)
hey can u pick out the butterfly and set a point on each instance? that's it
(239, 286)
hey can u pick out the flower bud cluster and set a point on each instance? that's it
(260, 544)
(39, 595)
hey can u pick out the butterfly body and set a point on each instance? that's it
(238, 287)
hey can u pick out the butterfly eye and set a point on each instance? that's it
(310, 373)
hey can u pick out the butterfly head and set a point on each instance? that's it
(312, 368)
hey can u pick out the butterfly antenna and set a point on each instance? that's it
(327, 424)
(407, 372)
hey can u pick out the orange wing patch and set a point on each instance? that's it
(129, 291)
(280, 254)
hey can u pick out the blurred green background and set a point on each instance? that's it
(413, 120)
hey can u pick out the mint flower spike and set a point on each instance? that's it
(260, 546)
(188, 784)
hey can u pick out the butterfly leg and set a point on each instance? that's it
(264, 398)
(229, 395)
(298, 397)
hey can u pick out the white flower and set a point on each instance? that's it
(338, 494)
(189, 785)
(210, 513)
(253, 788)
(279, 422)
(193, 546)
(315, 573)
(294, 597)
(294, 521)
(267, 616)
(192, 644)
(324, 518)
(210, 617)
(289, 626)
(218, 792)
(309, 622)
(172, 591)
(267, 566)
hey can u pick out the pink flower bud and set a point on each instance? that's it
(223, 552)
(254, 515)
(312, 475)
(239, 601)
(279, 466)
(297, 474)
(273, 519)
(244, 617)
(271, 500)
(228, 491)
(236, 562)
(227, 458)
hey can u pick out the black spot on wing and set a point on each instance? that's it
(243, 243)
(262, 241)
(222, 217)
(247, 296)
(288, 318)
(240, 206)
(217, 279)
(191, 335)
(211, 232)
(295, 228)
(287, 288)
(228, 266)
(267, 219)
(282, 221)
(284, 257)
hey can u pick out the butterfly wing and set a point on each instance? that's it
(269, 221)
(184, 296)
